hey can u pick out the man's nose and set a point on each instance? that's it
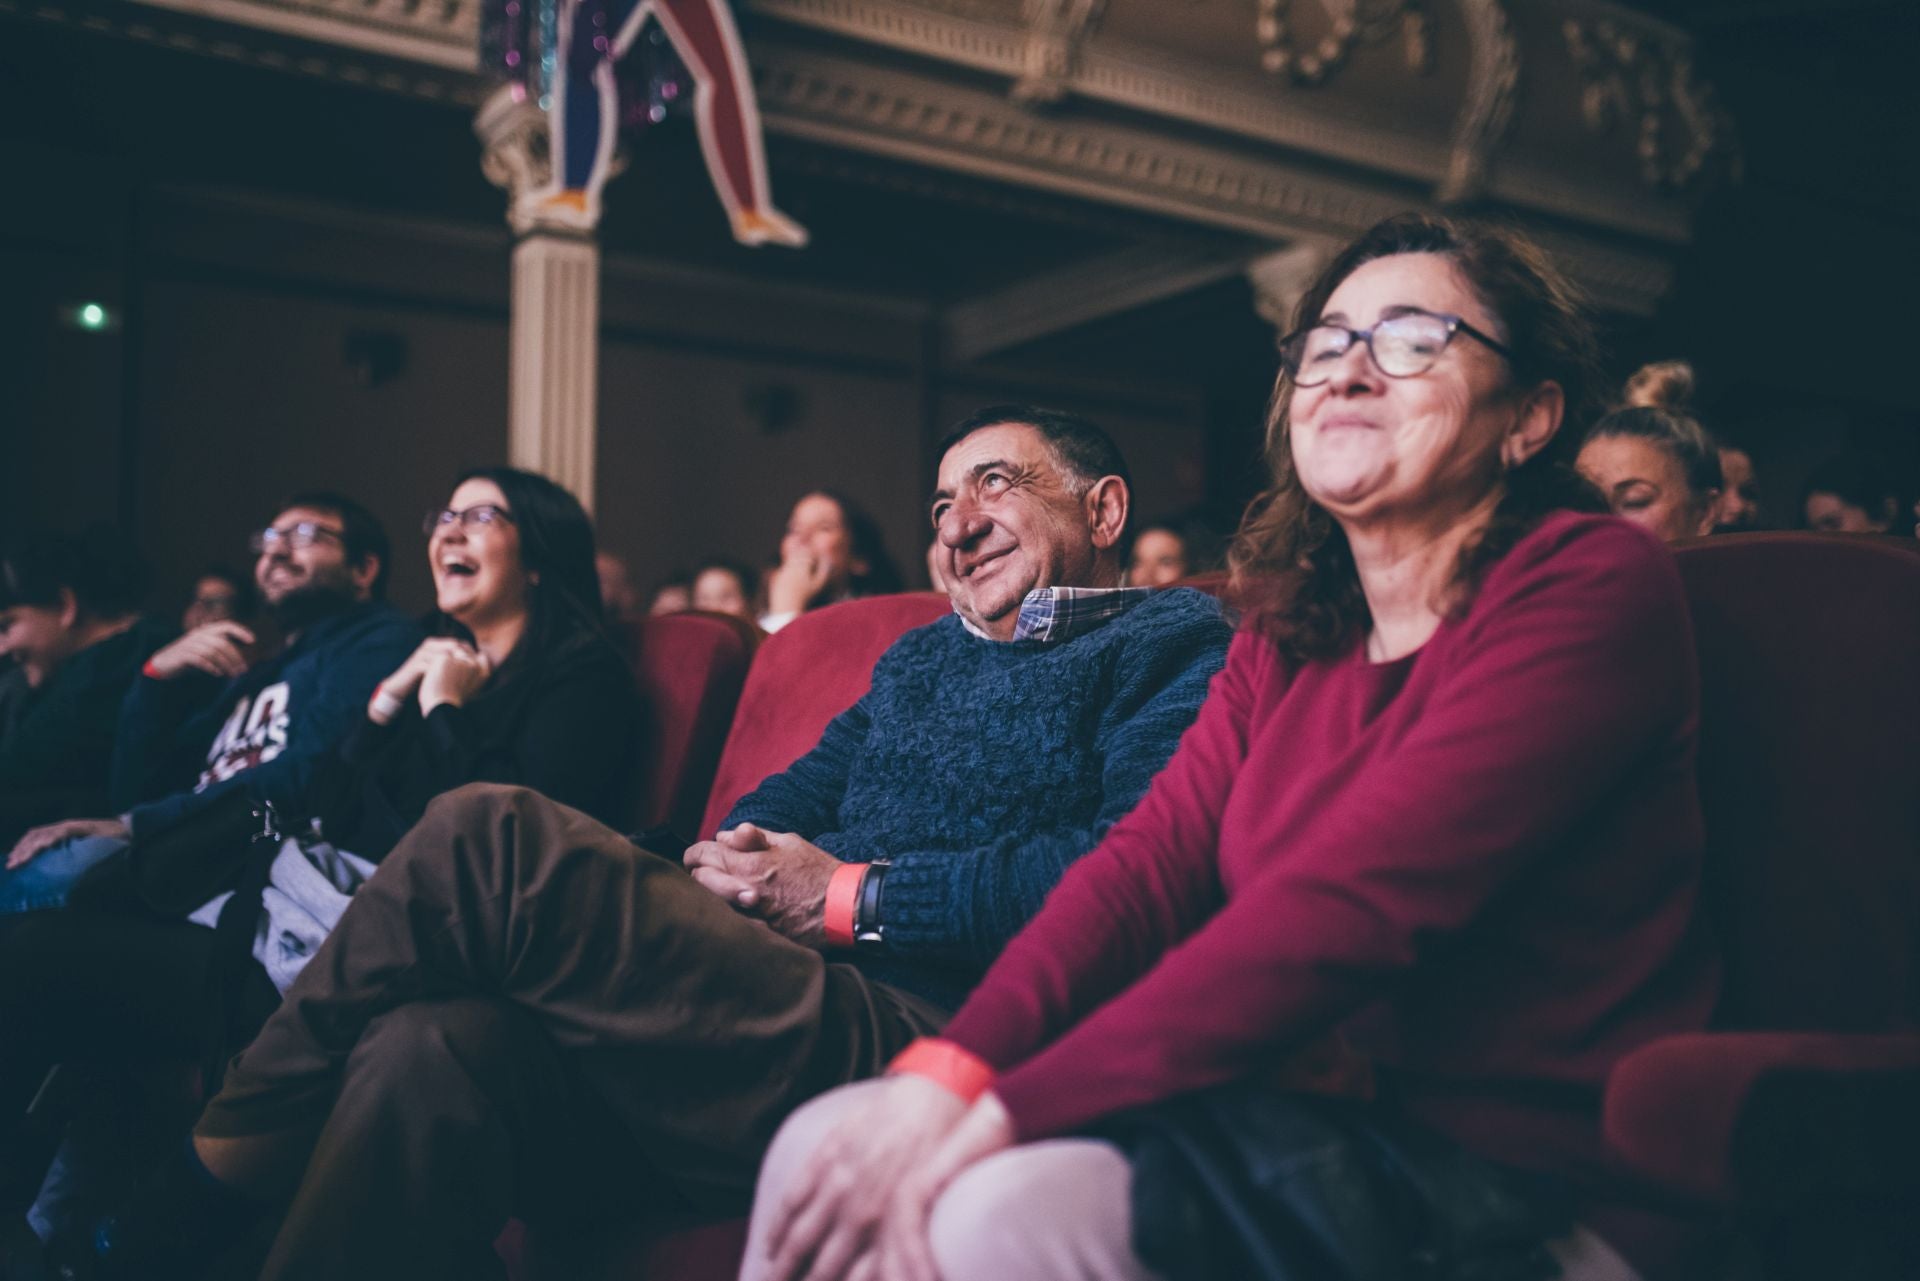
(962, 524)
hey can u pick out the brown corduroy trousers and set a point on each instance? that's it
(517, 1004)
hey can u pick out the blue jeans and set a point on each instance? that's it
(46, 881)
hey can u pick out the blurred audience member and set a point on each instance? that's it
(1739, 492)
(220, 594)
(1166, 551)
(1159, 557)
(67, 617)
(1851, 494)
(1652, 462)
(204, 719)
(674, 596)
(725, 588)
(619, 598)
(831, 552)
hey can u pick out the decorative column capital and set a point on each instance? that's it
(1281, 278)
(515, 155)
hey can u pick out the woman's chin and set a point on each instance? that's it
(1339, 494)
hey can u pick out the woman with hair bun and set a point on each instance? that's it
(1654, 464)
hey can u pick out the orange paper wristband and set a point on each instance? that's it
(944, 1063)
(843, 893)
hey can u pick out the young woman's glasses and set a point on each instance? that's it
(484, 515)
(296, 537)
(1403, 345)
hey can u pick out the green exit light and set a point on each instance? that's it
(92, 316)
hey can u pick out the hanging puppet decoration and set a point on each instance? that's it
(588, 49)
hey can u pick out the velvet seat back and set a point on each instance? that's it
(1809, 651)
(690, 668)
(806, 674)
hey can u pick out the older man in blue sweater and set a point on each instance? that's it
(518, 980)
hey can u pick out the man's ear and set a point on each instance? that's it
(1541, 412)
(1107, 504)
(69, 607)
(364, 574)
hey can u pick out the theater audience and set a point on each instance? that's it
(220, 594)
(619, 598)
(1160, 557)
(68, 617)
(674, 596)
(1441, 801)
(831, 552)
(519, 684)
(518, 982)
(725, 588)
(202, 721)
(1652, 462)
(1167, 551)
(1851, 493)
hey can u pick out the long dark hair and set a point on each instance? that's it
(556, 548)
(882, 576)
(1293, 574)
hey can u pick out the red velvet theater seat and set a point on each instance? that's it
(1800, 1115)
(690, 668)
(806, 674)
(802, 677)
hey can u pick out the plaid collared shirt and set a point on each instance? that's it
(1051, 615)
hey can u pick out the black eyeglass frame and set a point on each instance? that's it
(1291, 345)
(463, 517)
(298, 536)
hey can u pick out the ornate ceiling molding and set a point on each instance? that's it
(1468, 166)
(1630, 75)
(363, 63)
(850, 103)
(1056, 29)
(442, 33)
(1140, 79)
(1491, 90)
(844, 102)
(1354, 23)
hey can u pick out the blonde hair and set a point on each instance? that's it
(1665, 384)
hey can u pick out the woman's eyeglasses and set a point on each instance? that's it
(483, 515)
(1403, 345)
(296, 537)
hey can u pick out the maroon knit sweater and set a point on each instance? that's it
(1480, 861)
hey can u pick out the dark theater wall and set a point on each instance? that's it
(688, 467)
(248, 395)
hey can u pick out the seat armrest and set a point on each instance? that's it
(1720, 1115)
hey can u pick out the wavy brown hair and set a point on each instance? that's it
(1292, 572)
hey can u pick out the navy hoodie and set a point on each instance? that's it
(265, 730)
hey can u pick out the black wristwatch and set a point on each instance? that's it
(867, 930)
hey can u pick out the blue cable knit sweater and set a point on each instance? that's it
(982, 769)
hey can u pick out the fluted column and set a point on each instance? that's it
(554, 330)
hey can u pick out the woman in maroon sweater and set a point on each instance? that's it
(1435, 829)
